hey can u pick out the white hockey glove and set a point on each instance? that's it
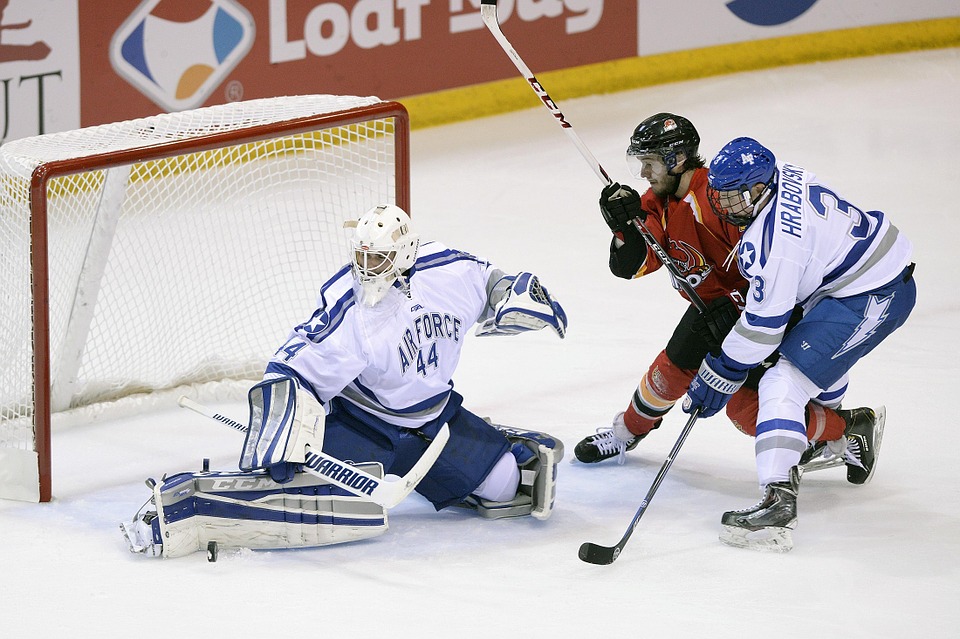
(284, 421)
(525, 306)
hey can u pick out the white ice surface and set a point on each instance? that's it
(880, 560)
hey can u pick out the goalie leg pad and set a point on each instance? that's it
(538, 456)
(251, 510)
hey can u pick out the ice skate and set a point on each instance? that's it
(142, 534)
(609, 441)
(857, 449)
(864, 433)
(768, 525)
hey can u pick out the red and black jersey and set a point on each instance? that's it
(698, 241)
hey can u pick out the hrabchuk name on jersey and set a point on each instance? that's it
(790, 200)
(431, 326)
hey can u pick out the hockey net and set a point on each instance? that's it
(173, 253)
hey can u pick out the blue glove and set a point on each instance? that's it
(716, 381)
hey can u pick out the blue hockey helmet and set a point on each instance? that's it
(739, 166)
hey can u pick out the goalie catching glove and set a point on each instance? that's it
(521, 303)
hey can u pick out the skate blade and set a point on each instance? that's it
(822, 463)
(881, 414)
(769, 539)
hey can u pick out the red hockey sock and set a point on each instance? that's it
(823, 424)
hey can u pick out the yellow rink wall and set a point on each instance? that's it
(491, 98)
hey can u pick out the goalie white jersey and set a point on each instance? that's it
(396, 358)
(808, 244)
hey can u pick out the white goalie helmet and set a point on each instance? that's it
(384, 246)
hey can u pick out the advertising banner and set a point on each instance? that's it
(707, 23)
(71, 63)
(139, 58)
(39, 70)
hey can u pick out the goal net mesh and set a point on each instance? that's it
(177, 269)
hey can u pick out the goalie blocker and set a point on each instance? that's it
(250, 510)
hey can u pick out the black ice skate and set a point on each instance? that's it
(857, 449)
(864, 433)
(609, 441)
(768, 525)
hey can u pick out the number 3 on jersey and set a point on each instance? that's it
(758, 286)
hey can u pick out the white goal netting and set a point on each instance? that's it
(179, 249)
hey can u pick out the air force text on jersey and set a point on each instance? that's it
(427, 327)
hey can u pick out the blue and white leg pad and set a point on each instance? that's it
(250, 510)
(538, 456)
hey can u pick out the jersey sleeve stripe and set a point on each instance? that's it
(758, 337)
(283, 370)
(443, 257)
(774, 323)
(318, 331)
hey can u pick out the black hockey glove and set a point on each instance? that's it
(619, 204)
(714, 324)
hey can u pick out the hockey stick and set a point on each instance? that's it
(603, 555)
(488, 11)
(383, 492)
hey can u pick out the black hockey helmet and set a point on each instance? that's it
(665, 134)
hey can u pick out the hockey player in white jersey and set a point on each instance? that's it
(368, 377)
(849, 270)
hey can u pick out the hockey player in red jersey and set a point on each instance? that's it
(664, 151)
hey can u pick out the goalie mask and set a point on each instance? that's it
(735, 174)
(384, 247)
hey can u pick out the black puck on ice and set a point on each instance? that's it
(212, 551)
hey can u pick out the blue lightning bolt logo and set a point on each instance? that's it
(873, 316)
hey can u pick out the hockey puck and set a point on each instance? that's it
(212, 551)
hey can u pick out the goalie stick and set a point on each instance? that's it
(603, 555)
(488, 11)
(383, 492)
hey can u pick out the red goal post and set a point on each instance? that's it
(164, 255)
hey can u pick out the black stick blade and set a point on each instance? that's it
(599, 555)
